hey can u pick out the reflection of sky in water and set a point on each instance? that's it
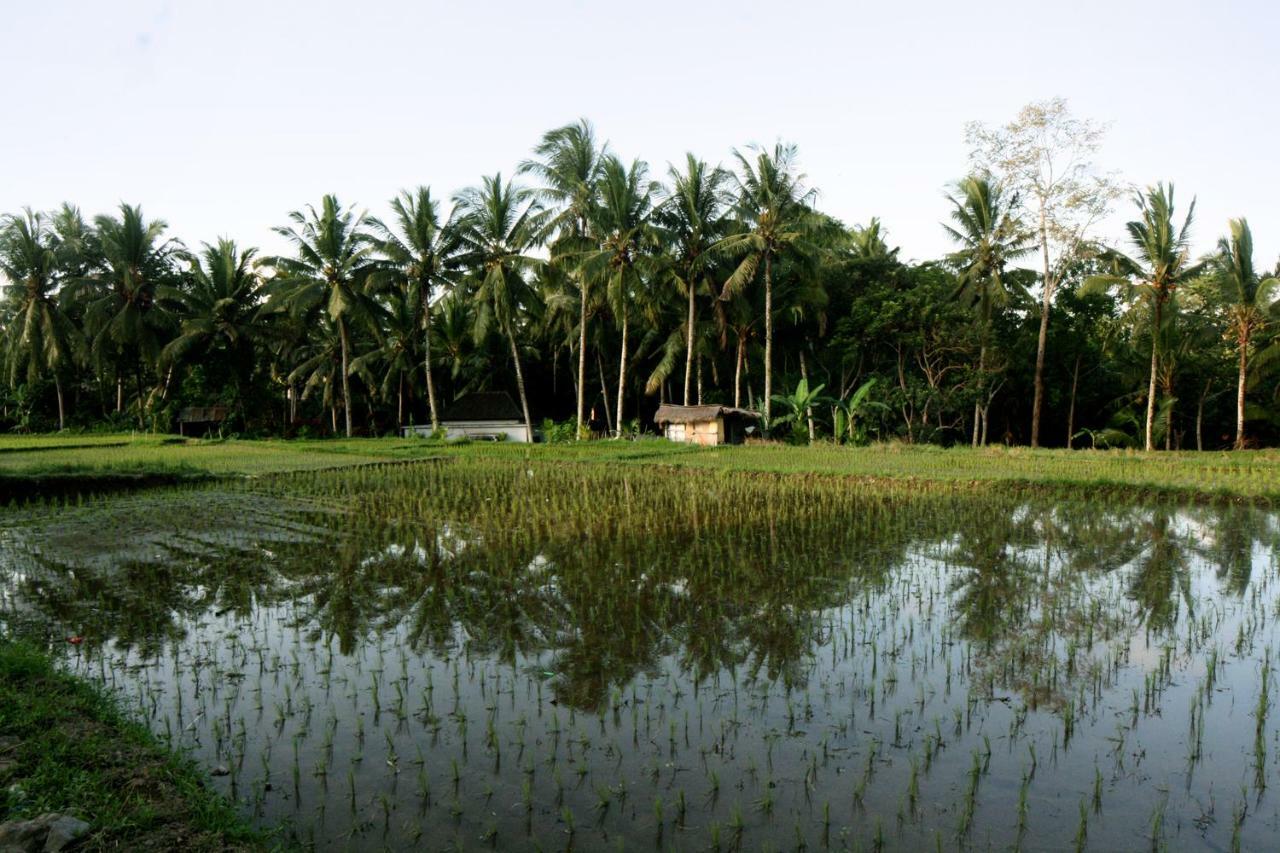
(260, 632)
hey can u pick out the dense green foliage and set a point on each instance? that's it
(592, 293)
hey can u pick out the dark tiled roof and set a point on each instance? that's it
(671, 414)
(483, 406)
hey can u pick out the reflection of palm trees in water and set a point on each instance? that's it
(1231, 537)
(1028, 580)
(1161, 577)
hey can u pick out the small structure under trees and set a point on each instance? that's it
(708, 425)
(484, 415)
(199, 420)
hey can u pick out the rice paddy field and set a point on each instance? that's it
(641, 646)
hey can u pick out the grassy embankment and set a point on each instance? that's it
(53, 465)
(66, 747)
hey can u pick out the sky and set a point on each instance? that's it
(221, 117)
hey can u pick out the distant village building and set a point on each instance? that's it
(708, 425)
(483, 416)
(199, 420)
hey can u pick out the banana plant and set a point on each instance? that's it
(798, 404)
(851, 415)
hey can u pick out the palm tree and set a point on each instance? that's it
(40, 338)
(570, 167)
(330, 268)
(1248, 296)
(694, 220)
(118, 300)
(218, 307)
(989, 236)
(420, 252)
(622, 222)
(396, 355)
(868, 243)
(773, 208)
(499, 226)
(1163, 263)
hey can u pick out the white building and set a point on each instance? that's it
(482, 416)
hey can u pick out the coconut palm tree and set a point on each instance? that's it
(500, 224)
(622, 222)
(1162, 264)
(570, 165)
(119, 296)
(868, 242)
(990, 236)
(420, 252)
(773, 208)
(1248, 296)
(694, 220)
(330, 268)
(396, 355)
(218, 308)
(40, 338)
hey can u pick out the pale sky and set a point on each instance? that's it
(220, 117)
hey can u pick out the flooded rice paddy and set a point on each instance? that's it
(473, 654)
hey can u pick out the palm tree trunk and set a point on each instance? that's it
(622, 373)
(768, 336)
(1038, 398)
(1071, 411)
(1240, 389)
(400, 400)
(699, 380)
(346, 379)
(62, 419)
(524, 400)
(977, 406)
(582, 356)
(119, 392)
(604, 392)
(737, 375)
(688, 345)
(1151, 386)
(426, 360)
(1200, 415)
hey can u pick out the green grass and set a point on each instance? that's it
(66, 747)
(32, 464)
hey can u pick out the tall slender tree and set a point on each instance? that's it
(420, 252)
(118, 297)
(1046, 156)
(330, 269)
(499, 226)
(990, 236)
(1247, 297)
(1162, 263)
(622, 221)
(773, 208)
(694, 220)
(570, 163)
(40, 339)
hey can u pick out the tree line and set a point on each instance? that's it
(594, 291)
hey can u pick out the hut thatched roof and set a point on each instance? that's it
(671, 414)
(483, 406)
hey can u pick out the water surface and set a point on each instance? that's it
(455, 655)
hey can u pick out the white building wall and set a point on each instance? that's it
(478, 430)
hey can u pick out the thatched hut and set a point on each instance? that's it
(708, 425)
